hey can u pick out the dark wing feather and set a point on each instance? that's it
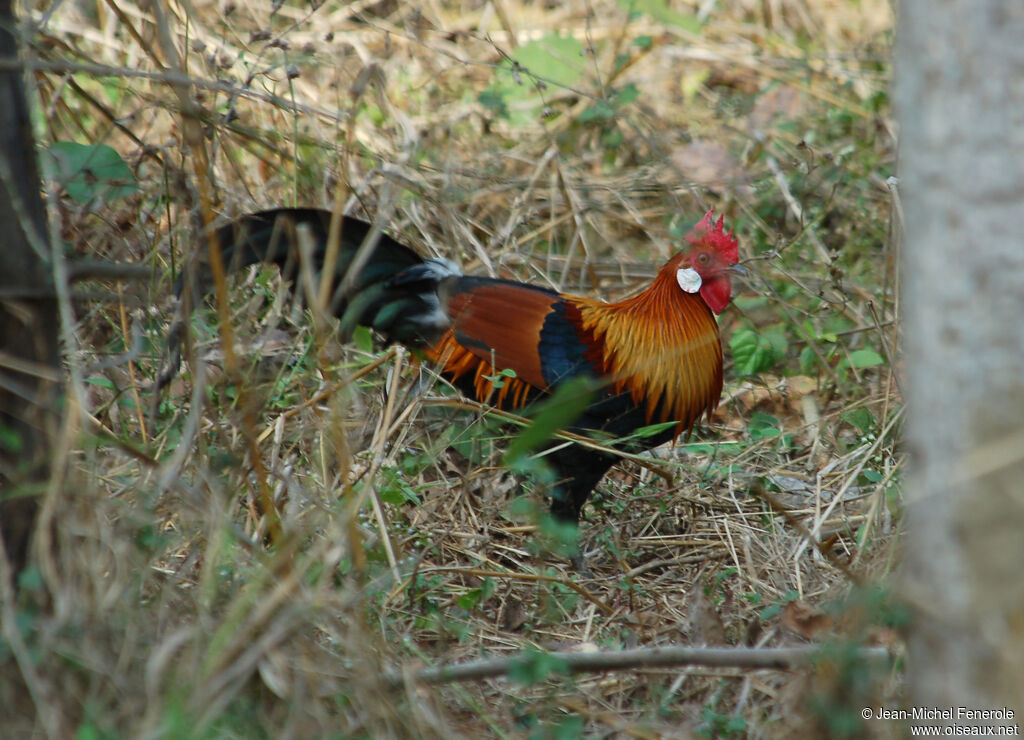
(566, 349)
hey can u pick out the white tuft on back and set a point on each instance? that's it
(441, 268)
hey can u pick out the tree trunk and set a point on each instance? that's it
(960, 101)
(29, 363)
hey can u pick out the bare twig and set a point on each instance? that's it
(654, 657)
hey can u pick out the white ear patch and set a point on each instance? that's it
(688, 279)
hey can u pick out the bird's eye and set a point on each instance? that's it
(703, 258)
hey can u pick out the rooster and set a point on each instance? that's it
(654, 360)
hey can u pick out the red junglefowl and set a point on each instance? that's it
(655, 357)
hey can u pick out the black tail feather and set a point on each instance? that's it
(395, 291)
(270, 237)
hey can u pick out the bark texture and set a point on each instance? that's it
(960, 103)
(29, 366)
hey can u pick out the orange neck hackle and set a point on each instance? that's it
(662, 347)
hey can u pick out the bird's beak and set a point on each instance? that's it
(739, 270)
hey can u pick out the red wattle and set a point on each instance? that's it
(716, 293)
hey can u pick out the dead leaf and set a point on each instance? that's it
(804, 620)
(776, 104)
(710, 164)
(273, 670)
(513, 615)
(704, 623)
(801, 385)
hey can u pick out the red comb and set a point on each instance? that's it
(713, 234)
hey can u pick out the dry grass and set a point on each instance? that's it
(170, 618)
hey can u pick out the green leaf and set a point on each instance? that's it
(101, 382)
(92, 172)
(755, 351)
(557, 536)
(525, 509)
(363, 339)
(808, 360)
(534, 666)
(775, 338)
(600, 111)
(661, 12)
(751, 353)
(498, 379)
(10, 439)
(743, 344)
(563, 407)
(772, 611)
(31, 579)
(397, 491)
(517, 89)
(488, 588)
(746, 304)
(649, 431)
(472, 598)
(570, 727)
(862, 358)
(627, 95)
(557, 59)
(603, 111)
(711, 448)
(391, 495)
(612, 139)
(494, 100)
(860, 418)
(763, 425)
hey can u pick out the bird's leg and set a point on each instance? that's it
(578, 471)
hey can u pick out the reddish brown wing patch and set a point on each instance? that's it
(500, 323)
(495, 326)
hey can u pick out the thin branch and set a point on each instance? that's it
(670, 656)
